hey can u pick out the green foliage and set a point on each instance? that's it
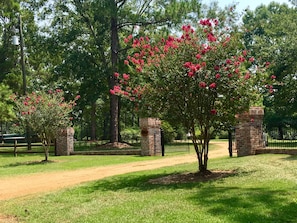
(46, 113)
(130, 134)
(200, 80)
(181, 134)
(6, 105)
(169, 132)
(271, 34)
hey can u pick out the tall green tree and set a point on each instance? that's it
(84, 42)
(271, 34)
(8, 52)
(145, 14)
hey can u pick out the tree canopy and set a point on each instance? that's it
(201, 80)
(271, 34)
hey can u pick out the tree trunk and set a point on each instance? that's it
(106, 126)
(114, 101)
(93, 122)
(280, 133)
(46, 145)
(201, 147)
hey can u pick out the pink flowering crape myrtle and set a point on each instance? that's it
(200, 79)
(46, 113)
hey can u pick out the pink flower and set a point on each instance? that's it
(241, 59)
(191, 74)
(187, 64)
(126, 76)
(126, 62)
(202, 84)
(228, 61)
(198, 56)
(218, 76)
(198, 66)
(211, 37)
(252, 59)
(273, 77)
(212, 85)
(247, 76)
(116, 74)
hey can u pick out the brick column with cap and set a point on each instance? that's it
(249, 132)
(150, 136)
(65, 142)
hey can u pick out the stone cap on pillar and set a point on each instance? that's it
(253, 113)
(149, 123)
(256, 111)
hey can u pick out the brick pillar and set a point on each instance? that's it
(150, 136)
(64, 142)
(249, 132)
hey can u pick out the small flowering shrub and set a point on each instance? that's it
(201, 79)
(46, 113)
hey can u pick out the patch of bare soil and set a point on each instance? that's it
(8, 219)
(192, 177)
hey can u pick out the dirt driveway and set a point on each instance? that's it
(25, 185)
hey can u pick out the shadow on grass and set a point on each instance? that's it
(237, 204)
(146, 182)
(29, 163)
(134, 183)
(290, 157)
(247, 204)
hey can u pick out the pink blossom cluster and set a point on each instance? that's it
(210, 74)
(34, 101)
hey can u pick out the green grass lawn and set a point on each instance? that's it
(264, 189)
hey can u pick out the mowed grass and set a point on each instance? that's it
(264, 189)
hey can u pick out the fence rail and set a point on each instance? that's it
(282, 137)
